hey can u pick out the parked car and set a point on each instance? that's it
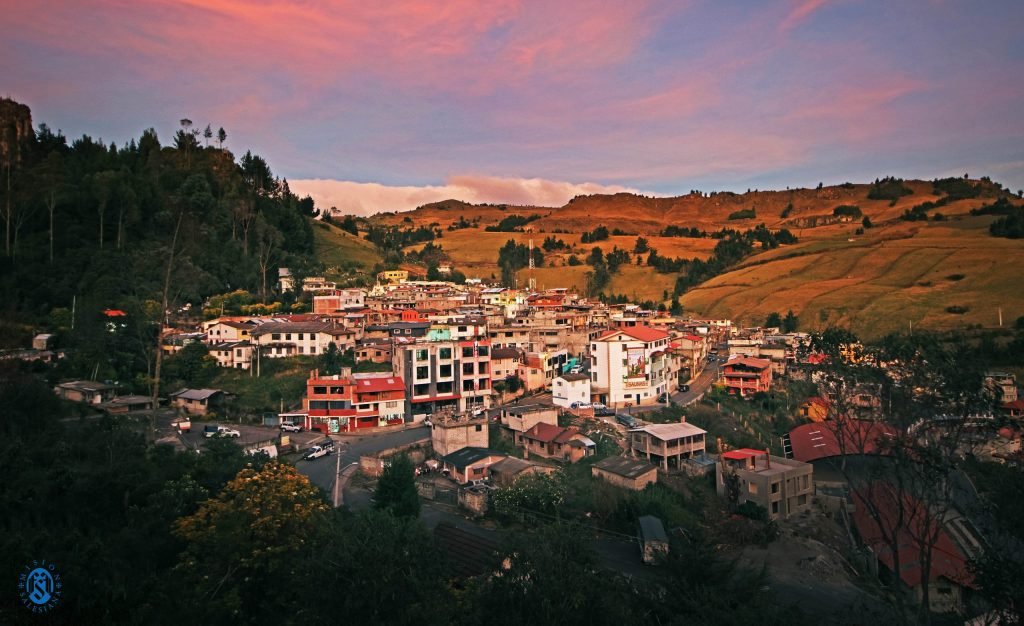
(663, 398)
(626, 420)
(213, 430)
(605, 412)
(315, 453)
(575, 370)
(579, 405)
(291, 427)
(684, 387)
(598, 406)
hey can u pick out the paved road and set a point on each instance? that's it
(323, 471)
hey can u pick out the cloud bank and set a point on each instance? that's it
(368, 198)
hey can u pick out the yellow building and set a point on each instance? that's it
(393, 276)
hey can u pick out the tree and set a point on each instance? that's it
(866, 222)
(774, 320)
(104, 186)
(245, 541)
(790, 323)
(331, 360)
(268, 242)
(53, 180)
(396, 489)
(193, 365)
(185, 140)
(207, 135)
(640, 246)
(222, 136)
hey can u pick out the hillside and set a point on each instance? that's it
(894, 274)
(341, 252)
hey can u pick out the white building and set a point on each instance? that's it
(570, 388)
(632, 366)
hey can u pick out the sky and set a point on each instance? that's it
(374, 106)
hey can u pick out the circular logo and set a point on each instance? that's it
(40, 586)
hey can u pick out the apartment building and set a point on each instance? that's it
(632, 365)
(783, 487)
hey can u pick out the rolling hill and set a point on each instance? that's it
(940, 274)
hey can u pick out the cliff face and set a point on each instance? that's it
(15, 131)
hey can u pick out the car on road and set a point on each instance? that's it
(663, 398)
(626, 420)
(290, 427)
(328, 445)
(684, 388)
(213, 430)
(598, 406)
(580, 405)
(316, 452)
(575, 370)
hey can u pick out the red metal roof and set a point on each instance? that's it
(742, 453)
(811, 442)
(545, 432)
(640, 333)
(903, 518)
(748, 362)
(381, 383)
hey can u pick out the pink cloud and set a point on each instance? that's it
(802, 11)
(368, 198)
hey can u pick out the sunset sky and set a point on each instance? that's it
(386, 105)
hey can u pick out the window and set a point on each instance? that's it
(482, 350)
(445, 353)
(801, 500)
(312, 350)
(422, 372)
(339, 404)
(391, 405)
(478, 428)
(319, 390)
(275, 336)
(467, 368)
(752, 488)
(408, 331)
(421, 390)
(301, 349)
(462, 329)
(775, 487)
(467, 352)
(318, 404)
(301, 337)
(288, 336)
(445, 371)
(445, 388)
(775, 508)
(421, 355)
(484, 383)
(337, 390)
(467, 385)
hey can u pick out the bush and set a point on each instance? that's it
(847, 210)
(888, 188)
(957, 309)
(744, 214)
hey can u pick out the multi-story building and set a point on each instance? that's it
(228, 330)
(782, 486)
(346, 402)
(276, 340)
(632, 365)
(339, 300)
(234, 355)
(539, 369)
(746, 376)
(444, 375)
(667, 445)
(451, 432)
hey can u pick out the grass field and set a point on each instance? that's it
(340, 251)
(877, 283)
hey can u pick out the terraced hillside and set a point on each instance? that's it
(943, 273)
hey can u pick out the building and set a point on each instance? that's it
(346, 403)
(520, 418)
(374, 351)
(504, 363)
(393, 276)
(287, 339)
(339, 300)
(87, 391)
(127, 404)
(632, 366)
(667, 445)
(815, 409)
(453, 432)
(745, 376)
(782, 486)
(198, 402)
(472, 463)
(228, 331)
(233, 355)
(508, 470)
(538, 369)
(625, 472)
(444, 375)
(556, 442)
(1002, 385)
(569, 389)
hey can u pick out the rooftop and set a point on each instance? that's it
(640, 333)
(668, 432)
(624, 466)
(465, 457)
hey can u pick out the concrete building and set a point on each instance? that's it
(568, 389)
(198, 401)
(507, 471)
(233, 355)
(453, 432)
(632, 366)
(746, 376)
(88, 391)
(625, 472)
(667, 445)
(346, 402)
(444, 376)
(783, 487)
(470, 463)
(555, 442)
(520, 418)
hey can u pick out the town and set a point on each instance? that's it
(511, 406)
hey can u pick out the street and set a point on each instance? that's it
(323, 472)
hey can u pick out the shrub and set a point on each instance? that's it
(744, 214)
(957, 309)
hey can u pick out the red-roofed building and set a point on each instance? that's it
(895, 526)
(556, 442)
(633, 366)
(783, 487)
(338, 403)
(810, 442)
(745, 376)
(1013, 409)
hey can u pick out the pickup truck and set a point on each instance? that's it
(316, 452)
(183, 424)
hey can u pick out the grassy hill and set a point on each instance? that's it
(892, 275)
(341, 251)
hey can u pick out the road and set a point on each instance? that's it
(322, 472)
(699, 385)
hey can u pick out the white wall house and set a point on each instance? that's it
(632, 365)
(570, 388)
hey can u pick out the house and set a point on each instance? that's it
(556, 442)
(538, 369)
(1002, 385)
(393, 276)
(520, 418)
(471, 463)
(374, 351)
(667, 445)
(507, 471)
(504, 363)
(1014, 409)
(87, 391)
(228, 331)
(782, 486)
(745, 376)
(346, 402)
(625, 472)
(286, 339)
(452, 432)
(233, 355)
(198, 401)
(632, 366)
(127, 404)
(815, 409)
(43, 341)
(901, 521)
(568, 389)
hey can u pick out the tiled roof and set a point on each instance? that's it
(379, 383)
(640, 333)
